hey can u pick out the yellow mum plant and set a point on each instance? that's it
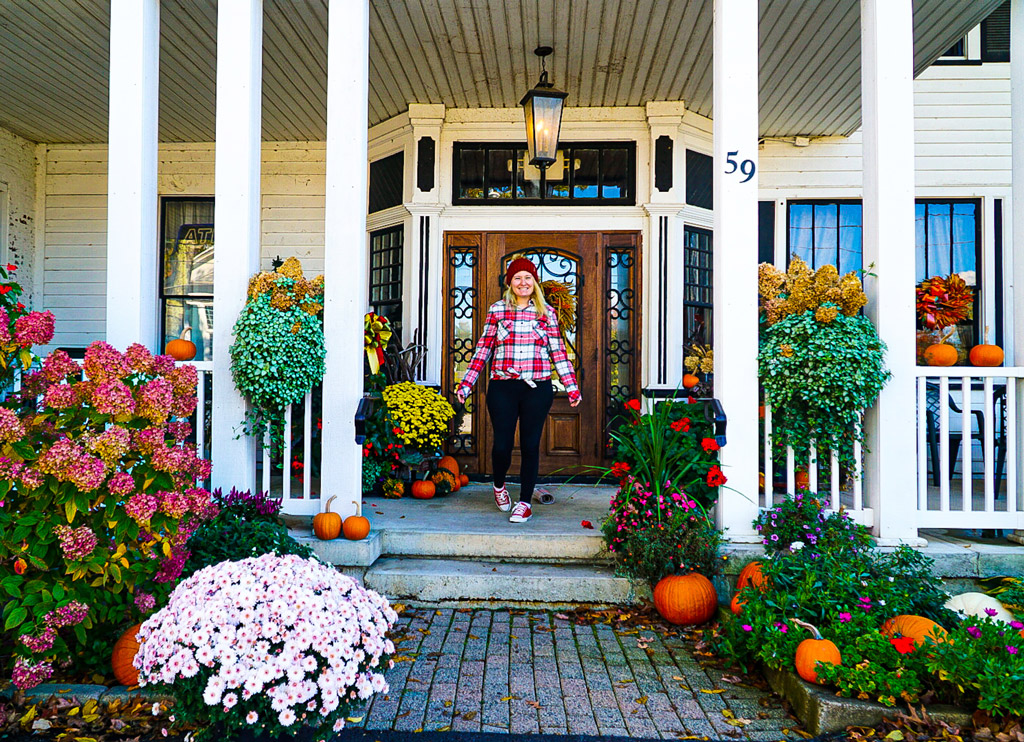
(420, 413)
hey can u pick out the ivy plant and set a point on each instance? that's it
(278, 353)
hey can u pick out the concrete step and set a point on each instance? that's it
(499, 583)
(508, 543)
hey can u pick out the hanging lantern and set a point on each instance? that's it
(542, 106)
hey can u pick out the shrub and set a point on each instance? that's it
(879, 668)
(268, 644)
(99, 498)
(653, 536)
(804, 519)
(246, 526)
(984, 661)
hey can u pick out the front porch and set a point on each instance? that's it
(283, 146)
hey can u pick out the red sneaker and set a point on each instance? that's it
(502, 500)
(521, 514)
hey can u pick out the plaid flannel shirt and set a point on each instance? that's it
(524, 347)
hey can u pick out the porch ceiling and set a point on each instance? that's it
(463, 53)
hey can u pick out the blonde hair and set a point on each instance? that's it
(537, 296)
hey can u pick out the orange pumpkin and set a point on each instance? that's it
(463, 480)
(750, 575)
(812, 651)
(986, 355)
(802, 480)
(356, 527)
(917, 628)
(423, 489)
(940, 354)
(690, 381)
(327, 525)
(182, 348)
(686, 599)
(124, 652)
(449, 463)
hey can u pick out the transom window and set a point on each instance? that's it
(584, 173)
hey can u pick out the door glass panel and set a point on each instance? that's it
(554, 265)
(462, 301)
(619, 316)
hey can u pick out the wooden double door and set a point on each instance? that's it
(601, 271)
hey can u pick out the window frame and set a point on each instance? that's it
(709, 307)
(162, 295)
(986, 54)
(630, 186)
(979, 250)
(400, 283)
(837, 202)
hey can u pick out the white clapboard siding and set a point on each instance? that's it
(76, 220)
(962, 139)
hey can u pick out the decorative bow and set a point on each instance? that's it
(944, 301)
(376, 334)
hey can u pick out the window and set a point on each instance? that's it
(186, 279)
(826, 233)
(948, 240)
(698, 295)
(386, 178)
(699, 179)
(995, 35)
(386, 274)
(600, 173)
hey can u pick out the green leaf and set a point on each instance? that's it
(16, 618)
(70, 510)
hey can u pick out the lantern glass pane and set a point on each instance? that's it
(547, 117)
(528, 113)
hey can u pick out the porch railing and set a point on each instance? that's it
(825, 476)
(970, 417)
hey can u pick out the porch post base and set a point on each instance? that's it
(1016, 537)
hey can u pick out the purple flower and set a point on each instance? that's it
(974, 631)
(747, 627)
(1011, 650)
(991, 611)
(1017, 625)
(845, 617)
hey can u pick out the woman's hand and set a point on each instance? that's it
(576, 402)
(461, 394)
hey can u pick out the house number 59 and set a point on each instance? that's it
(746, 167)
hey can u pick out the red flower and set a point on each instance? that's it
(11, 267)
(319, 423)
(903, 644)
(20, 305)
(715, 477)
(633, 404)
(4, 289)
(620, 470)
(587, 524)
(709, 445)
(682, 425)
(297, 465)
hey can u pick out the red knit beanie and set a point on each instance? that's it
(521, 264)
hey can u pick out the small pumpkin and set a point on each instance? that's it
(182, 348)
(940, 354)
(327, 525)
(749, 576)
(356, 527)
(975, 605)
(690, 381)
(422, 489)
(449, 463)
(917, 628)
(463, 480)
(812, 651)
(986, 355)
(125, 649)
(802, 479)
(686, 599)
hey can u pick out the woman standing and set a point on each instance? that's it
(521, 331)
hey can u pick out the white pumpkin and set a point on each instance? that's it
(975, 604)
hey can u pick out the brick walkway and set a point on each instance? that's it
(531, 672)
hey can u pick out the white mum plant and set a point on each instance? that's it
(268, 644)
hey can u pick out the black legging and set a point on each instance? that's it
(509, 401)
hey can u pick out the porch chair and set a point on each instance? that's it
(999, 434)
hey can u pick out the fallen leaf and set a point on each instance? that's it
(354, 719)
(562, 616)
(533, 704)
(626, 680)
(447, 704)
(895, 735)
(467, 715)
(443, 729)
(731, 679)
(718, 690)
(509, 698)
(641, 700)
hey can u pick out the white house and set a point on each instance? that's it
(383, 144)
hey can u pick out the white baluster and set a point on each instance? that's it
(790, 471)
(769, 460)
(989, 446)
(858, 470)
(966, 445)
(286, 457)
(944, 444)
(812, 470)
(834, 469)
(307, 445)
(266, 465)
(922, 450)
(1011, 447)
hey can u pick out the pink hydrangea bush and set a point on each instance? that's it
(98, 498)
(269, 644)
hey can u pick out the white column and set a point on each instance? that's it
(735, 263)
(345, 248)
(131, 173)
(887, 105)
(236, 222)
(1017, 228)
